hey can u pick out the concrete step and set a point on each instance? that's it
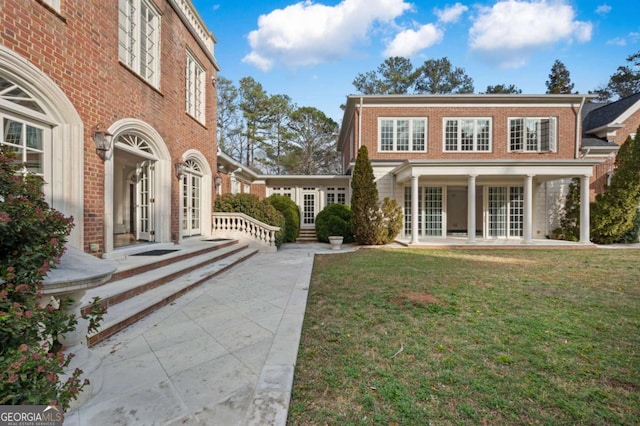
(131, 298)
(307, 236)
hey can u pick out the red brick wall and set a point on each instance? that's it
(78, 50)
(500, 132)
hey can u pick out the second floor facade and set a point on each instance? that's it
(462, 127)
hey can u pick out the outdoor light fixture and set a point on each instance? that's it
(102, 139)
(180, 166)
(218, 181)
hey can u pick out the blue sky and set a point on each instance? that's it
(313, 50)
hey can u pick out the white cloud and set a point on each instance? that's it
(450, 13)
(509, 31)
(308, 33)
(409, 42)
(618, 41)
(603, 9)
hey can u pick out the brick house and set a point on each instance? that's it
(137, 76)
(479, 166)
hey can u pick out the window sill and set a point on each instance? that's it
(204, 126)
(139, 77)
(53, 10)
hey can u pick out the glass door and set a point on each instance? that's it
(144, 201)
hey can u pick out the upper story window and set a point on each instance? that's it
(139, 38)
(467, 134)
(533, 134)
(402, 134)
(195, 87)
(54, 4)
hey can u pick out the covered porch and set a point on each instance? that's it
(485, 202)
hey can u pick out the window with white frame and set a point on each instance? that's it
(402, 134)
(537, 134)
(285, 191)
(195, 87)
(55, 4)
(139, 38)
(336, 196)
(467, 134)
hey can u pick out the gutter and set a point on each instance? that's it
(579, 128)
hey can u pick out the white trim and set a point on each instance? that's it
(459, 131)
(206, 202)
(67, 171)
(163, 178)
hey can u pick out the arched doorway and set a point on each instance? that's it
(195, 195)
(137, 187)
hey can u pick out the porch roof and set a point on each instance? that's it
(548, 168)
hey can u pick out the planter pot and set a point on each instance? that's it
(336, 243)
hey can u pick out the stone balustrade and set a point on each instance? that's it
(243, 227)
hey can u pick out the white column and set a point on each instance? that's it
(414, 210)
(471, 209)
(528, 209)
(584, 210)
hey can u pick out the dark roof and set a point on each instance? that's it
(593, 142)
(598, 115)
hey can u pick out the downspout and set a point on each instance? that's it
(579, 127)
(360, 124)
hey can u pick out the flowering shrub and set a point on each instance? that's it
(32, 237)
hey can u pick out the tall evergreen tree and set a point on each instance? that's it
(313, 148)
(439, 76)
(559, 79)
(503, 88)
(613, 212)
(364, 199)
(393, 77)
(254, 104)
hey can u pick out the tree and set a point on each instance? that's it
(559, 79)
(364, 199)
(394, 76)
(503, 88)
(278, 137)
(614, 211)
(570, 222)
(254, 105)
(439, 76)
(624, 82)
(227, 97)
(313, 143)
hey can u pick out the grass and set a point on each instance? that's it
(449, 337)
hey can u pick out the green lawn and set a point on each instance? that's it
(449, 337)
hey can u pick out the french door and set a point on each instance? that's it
(145, 201)
(191, 204)
(308, 207)
(505, 211)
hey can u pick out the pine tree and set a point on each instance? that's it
(559, 80)
(364, 199)
(614, 211)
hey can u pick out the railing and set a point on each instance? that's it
(241, 226)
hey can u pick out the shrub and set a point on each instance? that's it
(614, 211)
(334, 220)
(291, 214)
(251, 205)
(32, 238)
(570, 222)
